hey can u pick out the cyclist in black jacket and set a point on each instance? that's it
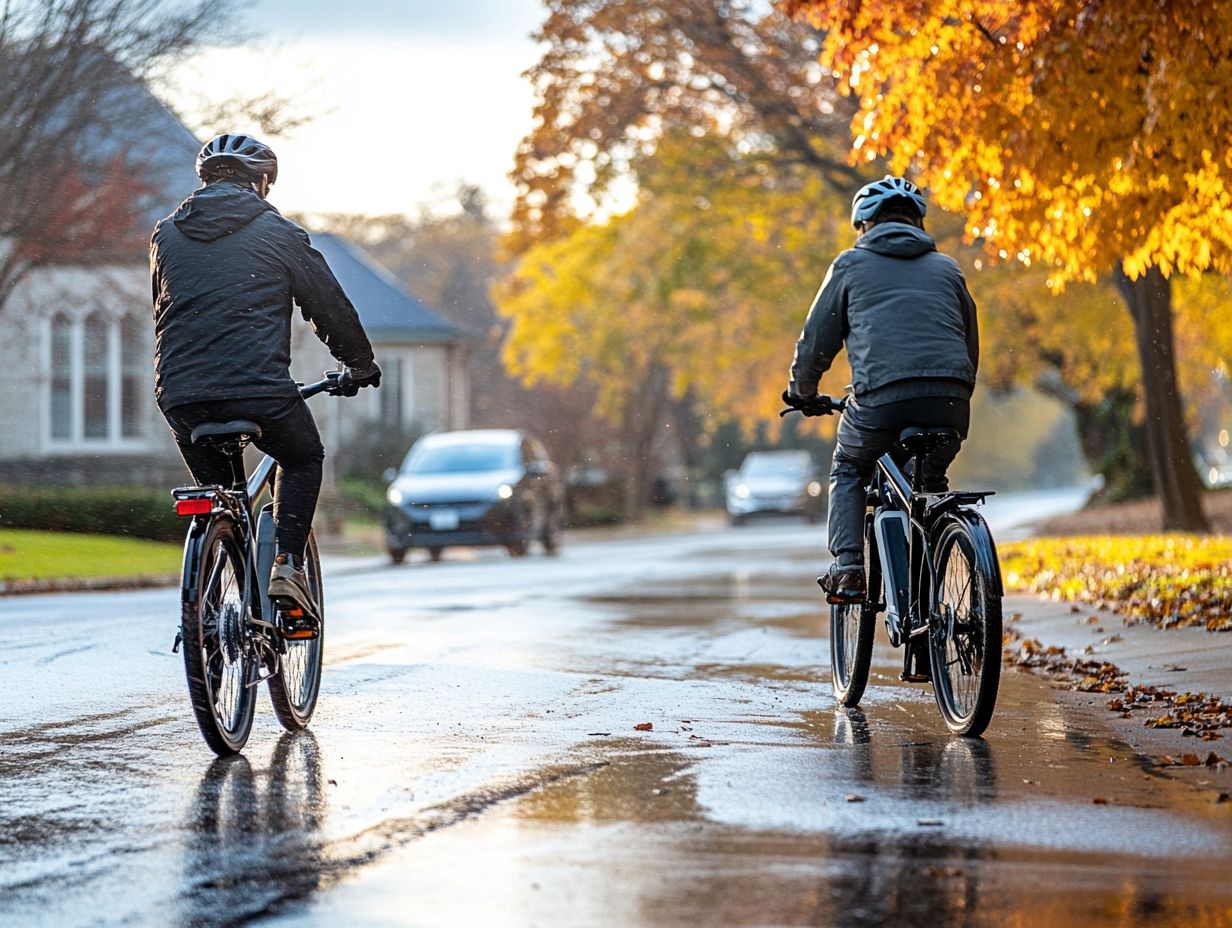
(226, 267)
(902, 310)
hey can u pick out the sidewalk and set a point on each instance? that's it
(1154, 662)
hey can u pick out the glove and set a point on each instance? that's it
(796, 402)
(355, 377)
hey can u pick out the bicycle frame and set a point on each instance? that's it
(237, 504)
(904, 517)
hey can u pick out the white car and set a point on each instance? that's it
(775, 482)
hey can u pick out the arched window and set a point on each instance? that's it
(96, 356)
(62, 428)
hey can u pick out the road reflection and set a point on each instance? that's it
(254, 838)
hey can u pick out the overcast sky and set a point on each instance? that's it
(410, 97)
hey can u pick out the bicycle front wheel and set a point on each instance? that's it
(293, 689)
(220, 661)
(965, 632)
(852, 628)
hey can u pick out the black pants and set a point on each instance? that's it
(288, 435)
(865, 433)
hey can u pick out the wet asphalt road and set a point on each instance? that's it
(474, 761)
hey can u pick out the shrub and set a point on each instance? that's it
(131, 511)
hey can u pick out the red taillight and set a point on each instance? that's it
(194, 507)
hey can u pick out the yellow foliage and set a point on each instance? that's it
(1085, 133)
(1164, 579)
(708, 278)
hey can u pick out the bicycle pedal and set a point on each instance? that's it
(915, 677)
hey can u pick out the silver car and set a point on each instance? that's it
(774, 482)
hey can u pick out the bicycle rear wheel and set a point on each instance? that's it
(965, 632)
(293, 689)
(852, 628)
(219, 658)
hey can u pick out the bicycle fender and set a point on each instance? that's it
(193, 552)
(981, 535)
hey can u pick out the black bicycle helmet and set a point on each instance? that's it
(871, 197)
(238, 151)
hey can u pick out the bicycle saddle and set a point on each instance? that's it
(225, 431)
(921, 441)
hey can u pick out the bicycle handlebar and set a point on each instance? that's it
(329, 385)
(820, 405)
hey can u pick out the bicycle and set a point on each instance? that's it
(234, 637)
(931, 567)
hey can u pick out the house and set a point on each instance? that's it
(76, 345)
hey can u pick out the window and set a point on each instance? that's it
(392, 392)
(98, 381)
(134, 378)
(96, 351)
(61, 379)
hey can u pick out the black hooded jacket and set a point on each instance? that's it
(225, 268)
(901, 308)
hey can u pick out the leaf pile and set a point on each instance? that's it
(1195, 714)
(1082, 674)
(1167, 580)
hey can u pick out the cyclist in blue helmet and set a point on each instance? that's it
(903, 311)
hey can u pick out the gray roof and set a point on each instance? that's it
(388, 312)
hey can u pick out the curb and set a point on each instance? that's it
(86, 584)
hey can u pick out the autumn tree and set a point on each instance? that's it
(1089, 138)
(683, 309)
(616, 73)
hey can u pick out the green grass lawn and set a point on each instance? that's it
(34, 555)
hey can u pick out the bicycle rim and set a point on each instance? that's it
(293, 689)
(852, 627)
(219, 660)
(965, 637)
(851, 649)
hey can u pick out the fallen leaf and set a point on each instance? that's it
(1100, 801)
(644, 726)
(1214, 760)
(852, 797)
(1191, 760)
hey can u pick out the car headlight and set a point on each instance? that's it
(814, 488)
(504, 491)
(742, 491)
(394, 496)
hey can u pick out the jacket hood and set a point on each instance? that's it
(218, 210)
(898, 240)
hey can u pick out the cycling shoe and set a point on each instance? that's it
(843, 585)
(288, 590)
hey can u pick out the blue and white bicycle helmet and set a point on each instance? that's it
(238, 151)
(870, 198)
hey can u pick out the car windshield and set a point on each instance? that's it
(461, 459)
(772, 467)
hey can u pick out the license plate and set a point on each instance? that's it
(443, 520)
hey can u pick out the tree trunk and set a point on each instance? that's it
(643, 421)
(1176, 482)
(1115, 446)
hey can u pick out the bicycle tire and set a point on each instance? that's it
(965, 626)
(219, 660)
(294, 687)
(852, 629)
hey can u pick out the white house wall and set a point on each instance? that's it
(25, 352)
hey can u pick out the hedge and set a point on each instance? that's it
(131, 511)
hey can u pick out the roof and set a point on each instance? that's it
(388, 312)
